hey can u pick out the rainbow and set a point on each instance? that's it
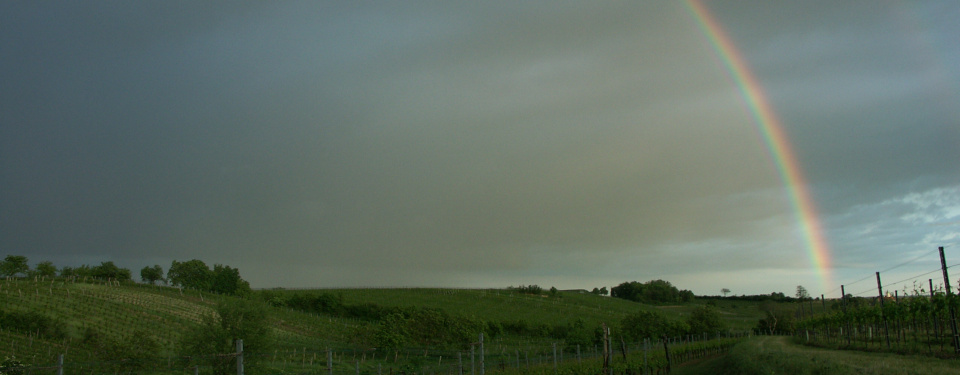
(774, 137)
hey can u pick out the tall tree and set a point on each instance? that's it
(226, 280)
(190, 274)
(14, 265)
(802, 293)
(152, 274)
(46, 269)
(108, 270)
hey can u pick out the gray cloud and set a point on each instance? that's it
(316, 144)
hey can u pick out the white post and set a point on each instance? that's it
(240, 357)
(482, 368)
(554, 357)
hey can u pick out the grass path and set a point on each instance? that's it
(777, 355)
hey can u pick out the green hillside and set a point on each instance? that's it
(97, 325)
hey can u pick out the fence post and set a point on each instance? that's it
(239, 356)
(953, 316)
(886, 329)
(460, 362)
(482, 364)
(473, 364)
(329, 361)
(60, 365)
(666, 351)
(554, 357)
(646, 346)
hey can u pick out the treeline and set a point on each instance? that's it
(192, 274)
(428, 327)
(651, 292)
(773, 297)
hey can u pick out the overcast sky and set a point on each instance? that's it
(479, 144)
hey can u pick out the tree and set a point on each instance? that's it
(46, 269)
(553, 291)
(653, 324)
(725, 291)
(226, 280)
(391, 332)
(190, 274)
(705, 319)
(595, 291)
(108, 270)
(604, 291)
(234, 320)
(777, 318)
(654, 291)
(802, 293)
(152, 274)
(14, 265)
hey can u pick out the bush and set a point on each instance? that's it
(218, 334)
(705, 319)
(33, 322)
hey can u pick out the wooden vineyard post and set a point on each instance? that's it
(886, 330)
(933, 313)
(953, 316)
(666, 351)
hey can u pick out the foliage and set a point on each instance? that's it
(802, 293)
(705, 319)
(226, 280)
(392, 332)
(45, 269)
(777, 319)
(650, 324)
(130, 353)
(11, 366)
(192, 274)
(234, 320)
(152, 274)
(654, 291)
(14, 265)
(529, 289)
(108, 270)
(32, 322)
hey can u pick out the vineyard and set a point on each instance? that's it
(922, 321)
(109, 327)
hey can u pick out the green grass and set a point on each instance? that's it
(779, 355)
(165, 314)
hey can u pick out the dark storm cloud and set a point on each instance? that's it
(315, 144)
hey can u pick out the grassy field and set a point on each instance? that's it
(778, 355)
(121, 312)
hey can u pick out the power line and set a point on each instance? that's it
(888, 269)
(907, 279)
